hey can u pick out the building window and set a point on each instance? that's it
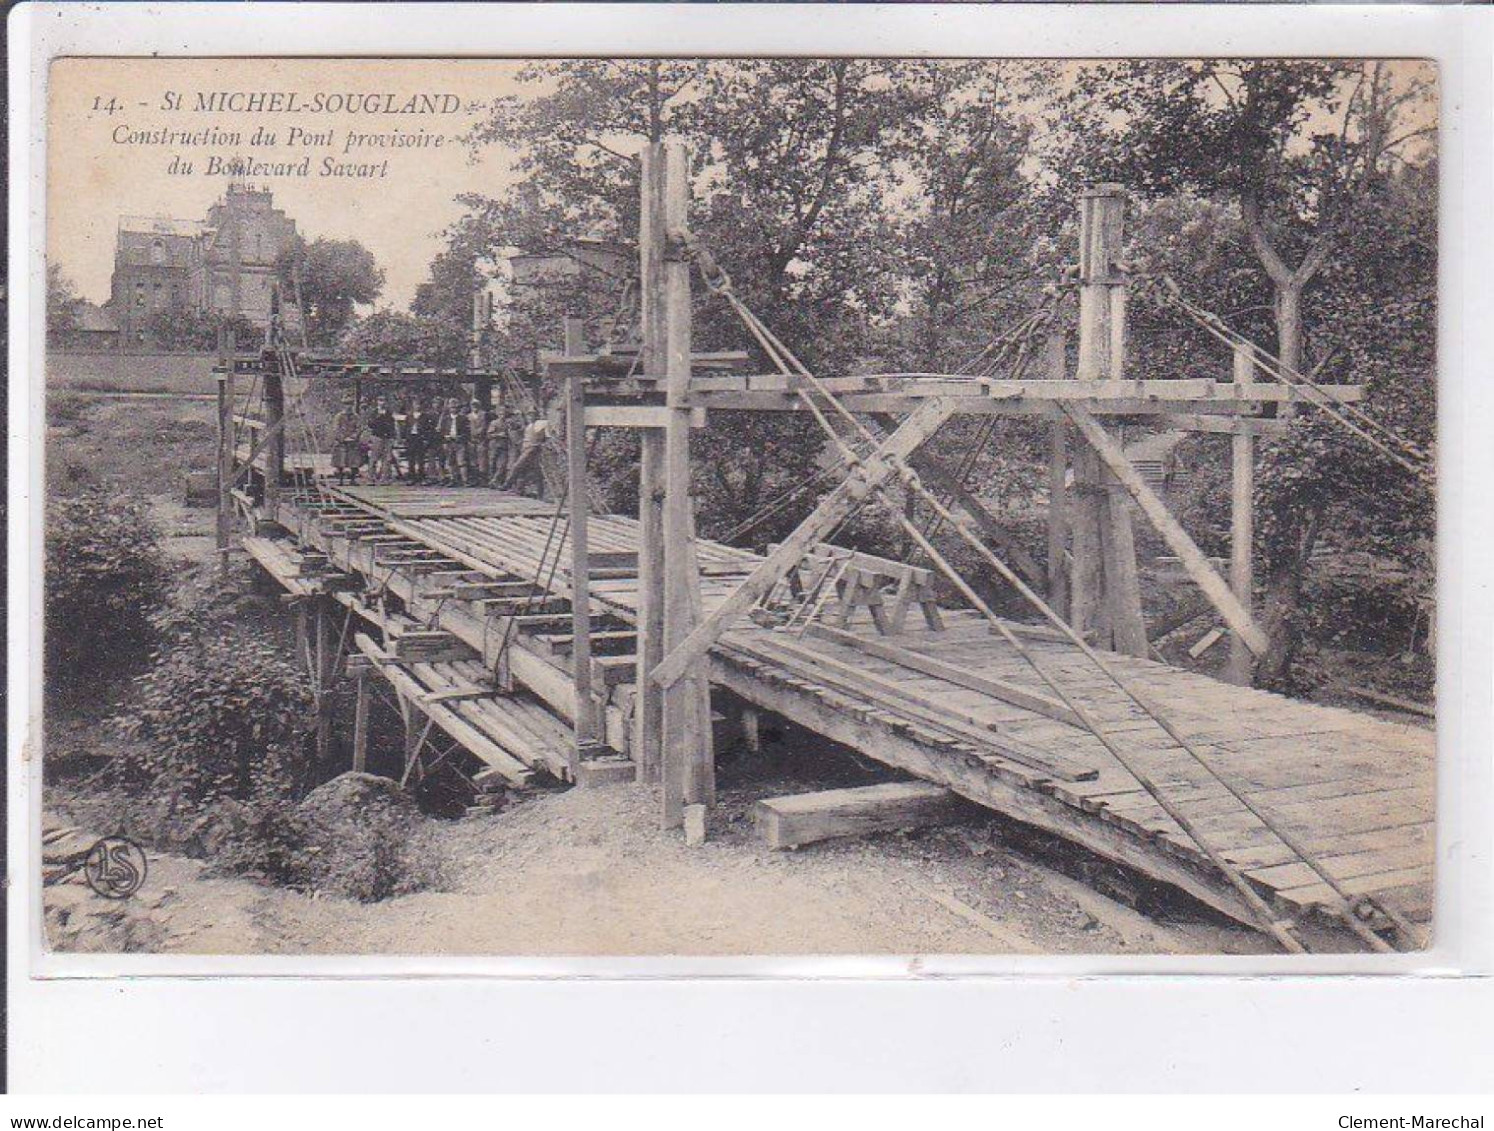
(139, 294)
(157, 251)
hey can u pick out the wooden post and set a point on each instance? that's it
(752, 733)
(326, 670)
(1058, 489)
(685, 747)
(360, 724)
(1105, 595)
(575, 431)
(1241, 666)
(226, 454)
(274, 421)
(648, 704)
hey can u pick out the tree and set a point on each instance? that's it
(794, 160)
(332, 277)
(63, 304)
(968, 236)
(390, 337)
(1302, 150)
(1296, 145)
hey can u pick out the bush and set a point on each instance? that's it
(105, 578)
(225, 717)
(354, 836)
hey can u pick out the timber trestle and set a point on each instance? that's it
(555, 642)
(952, 705)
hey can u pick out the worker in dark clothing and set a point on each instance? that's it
(383, 430)
(420, 430)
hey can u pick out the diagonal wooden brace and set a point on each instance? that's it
(258, 449)
(919, 426)
(1214, 587)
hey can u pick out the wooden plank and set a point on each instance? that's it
(1193, 559)
(955, 719)
(447, 719)
(806, 818)
(982, 784)
(920, 662)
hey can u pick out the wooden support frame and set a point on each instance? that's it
(580, 507)
(274, 400)
(1241, 666)
(1236, 615)
(874, 471)
(360, 721)
(1105, 593)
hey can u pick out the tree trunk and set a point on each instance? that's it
(1284, 580)
(1289, 324)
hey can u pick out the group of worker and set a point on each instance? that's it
(442, 441)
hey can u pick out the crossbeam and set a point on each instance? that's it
(876, 469)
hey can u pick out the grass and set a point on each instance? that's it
(138, 447)
(144, 373)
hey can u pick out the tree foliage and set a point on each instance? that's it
(226, 716)
(105, 578)
(332, 277)
(63, 304)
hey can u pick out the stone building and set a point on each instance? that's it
(222, 265)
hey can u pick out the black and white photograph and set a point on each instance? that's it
(762, 506)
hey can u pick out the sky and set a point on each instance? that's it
(106, 159)
(100, 169)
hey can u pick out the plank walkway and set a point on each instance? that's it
(1358, 792)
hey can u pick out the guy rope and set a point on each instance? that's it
(874, 461)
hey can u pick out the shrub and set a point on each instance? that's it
(105, 578)
(224, 717)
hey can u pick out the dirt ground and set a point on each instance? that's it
(588, 872)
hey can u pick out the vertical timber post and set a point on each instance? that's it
(1058, 490)
(274, 422)
(326, 673)
(648, 703)
(1105, 593)
(360, 723)
(226, 454)
(688, 770)
(1241, 666)
(575, 433)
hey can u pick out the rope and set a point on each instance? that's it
(1346, 414)
(719, 282)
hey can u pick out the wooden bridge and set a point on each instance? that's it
(549, 640)
(949, 704)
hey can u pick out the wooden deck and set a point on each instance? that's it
(1356, 791)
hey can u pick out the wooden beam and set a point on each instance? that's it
(835, 506)
(790, 822)
(360, 722)
(1225, 425)
(580, 505)
(688, 764)
(636, 416)
(1241, 667)
(1192, 558)
(952, 673)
